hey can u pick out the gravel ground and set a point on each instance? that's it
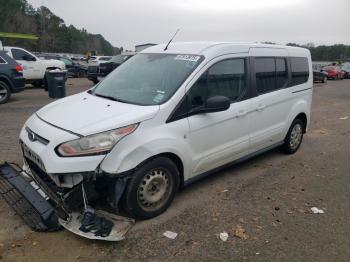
(263, 204)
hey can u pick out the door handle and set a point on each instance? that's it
(260, 107)
(241, 113)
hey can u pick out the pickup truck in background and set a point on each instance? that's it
(34, 69)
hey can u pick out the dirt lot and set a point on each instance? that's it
(268, 197)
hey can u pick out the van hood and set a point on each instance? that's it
(86, 114)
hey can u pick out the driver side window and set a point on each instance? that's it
(226, 78)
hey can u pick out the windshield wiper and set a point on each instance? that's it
(111, 98)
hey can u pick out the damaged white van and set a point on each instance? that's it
(164, 118)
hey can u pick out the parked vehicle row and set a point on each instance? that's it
(167, 117)
(332, 71)
(75, 69)
(34, 69)
(11, 77)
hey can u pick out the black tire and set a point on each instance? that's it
(95, 81)
(5, 92)
(134, 202)
(81, 74)
(290, 147)
(38, 83)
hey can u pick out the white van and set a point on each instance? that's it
(167, 117)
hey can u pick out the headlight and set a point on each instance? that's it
(96, 144)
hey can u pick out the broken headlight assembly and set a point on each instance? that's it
(96, 144)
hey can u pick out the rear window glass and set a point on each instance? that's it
(300, 70)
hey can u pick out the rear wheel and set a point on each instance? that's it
(5, 92)
(151, 189)
(294, 137)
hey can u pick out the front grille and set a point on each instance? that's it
(29, 154)
(43, 176)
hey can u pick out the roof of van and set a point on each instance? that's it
(217, 48)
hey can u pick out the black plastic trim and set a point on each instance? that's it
(301, 90)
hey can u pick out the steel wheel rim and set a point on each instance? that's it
(3, 93)
(154, 189)
(295, 136)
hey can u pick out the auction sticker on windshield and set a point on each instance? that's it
(192, 58)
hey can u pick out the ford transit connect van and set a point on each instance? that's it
(165, 118)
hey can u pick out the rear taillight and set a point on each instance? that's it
(19, 69)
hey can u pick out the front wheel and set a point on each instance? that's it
(294, 137)
(151, 189)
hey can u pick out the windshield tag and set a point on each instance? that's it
(160, 92)
(192, 58)
(157, 98)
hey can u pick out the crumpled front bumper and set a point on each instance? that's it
(42, 209)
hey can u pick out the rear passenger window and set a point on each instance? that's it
(265, 69)
(2, 61)
(271, 74)
(281, 73)
(300, 70)
(226, 78)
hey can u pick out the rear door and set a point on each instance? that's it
(273, 101)
(221, 137)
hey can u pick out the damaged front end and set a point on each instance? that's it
(87, 208)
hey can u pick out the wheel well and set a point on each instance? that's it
(302, 117)
(177, 161)
(52, 68)
(3, 79)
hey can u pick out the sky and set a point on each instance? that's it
(131, 22)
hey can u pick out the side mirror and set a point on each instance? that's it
(217, 104)
(213, 104)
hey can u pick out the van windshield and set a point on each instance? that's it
(147, 79)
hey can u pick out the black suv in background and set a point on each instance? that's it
(107, 67)
(11, 77)
(75, 69)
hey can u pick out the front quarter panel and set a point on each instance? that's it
(148, 141)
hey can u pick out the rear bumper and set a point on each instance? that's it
(18, 84)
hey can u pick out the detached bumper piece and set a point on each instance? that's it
(27, 199)
(113, 227)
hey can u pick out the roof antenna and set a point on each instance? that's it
(166, 47)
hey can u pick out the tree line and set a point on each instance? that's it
(18, 16)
